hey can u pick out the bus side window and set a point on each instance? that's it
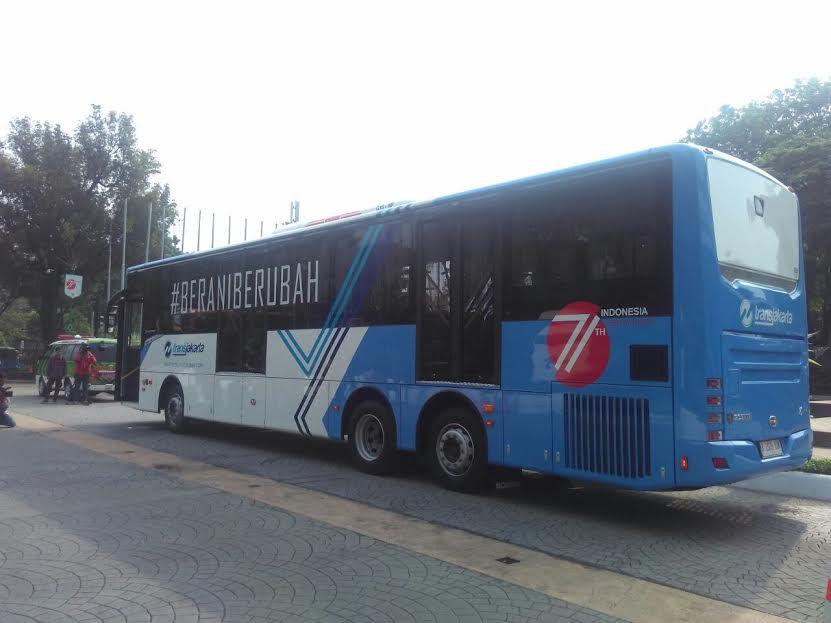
(390, 299)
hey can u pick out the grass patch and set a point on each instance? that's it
(818, 466)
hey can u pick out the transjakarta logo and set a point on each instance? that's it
(763, 316)
(180, 350)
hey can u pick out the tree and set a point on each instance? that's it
(61, 201)
(789, 135)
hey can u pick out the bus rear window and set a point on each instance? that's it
(756, 225)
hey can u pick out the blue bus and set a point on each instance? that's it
(638, 322)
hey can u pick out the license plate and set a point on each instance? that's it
(770, 448)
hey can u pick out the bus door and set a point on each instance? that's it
(457, 332)
(129, 342)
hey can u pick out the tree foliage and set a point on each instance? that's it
(61, 203)
(789, 135)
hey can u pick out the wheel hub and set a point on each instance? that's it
(455, 449)
(369, 437)
(174, 408)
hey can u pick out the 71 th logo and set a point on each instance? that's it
(578, 344)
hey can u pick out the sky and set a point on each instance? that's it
(347, 105)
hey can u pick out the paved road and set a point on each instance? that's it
(765, 552)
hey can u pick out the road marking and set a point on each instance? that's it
(632, 599)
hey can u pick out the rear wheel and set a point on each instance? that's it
(174, 409)
(372, 438)
(458, 450)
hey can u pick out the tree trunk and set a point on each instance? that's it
(48, 307)
(811, 285)
(6, 304)
(826, 310)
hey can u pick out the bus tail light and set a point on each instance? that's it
(713, 383)
(713, 401)
(719, 462)
(685, 464)
(714, 418)
(715, 435)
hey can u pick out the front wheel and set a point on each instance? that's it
(458, 450)
(174, 409)
(372, 438)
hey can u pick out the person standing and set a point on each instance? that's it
(55, 373)
(85, 363)
(5, 394)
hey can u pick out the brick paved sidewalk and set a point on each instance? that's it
(87, 538)
(766, 552)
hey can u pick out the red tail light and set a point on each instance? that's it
(685, 464)
(713, 401)
(713, 383)
(714, 435)
(714, 418)
(720, 463)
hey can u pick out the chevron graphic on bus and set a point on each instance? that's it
(578, 344)
(307, 361)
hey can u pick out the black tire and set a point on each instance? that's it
(372, 438)
(42, 388)
(458, 450)
(174, 409)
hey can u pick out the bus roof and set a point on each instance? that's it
(387, 209)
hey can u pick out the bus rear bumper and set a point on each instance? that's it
(743, 459)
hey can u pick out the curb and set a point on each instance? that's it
(822, 439)
(793, 484)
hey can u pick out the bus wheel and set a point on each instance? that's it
(42, 388)
(174, 409)
(458, 451)
(372, 438)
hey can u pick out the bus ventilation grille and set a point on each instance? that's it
(607, 435)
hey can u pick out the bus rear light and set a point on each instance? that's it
(714, 435)
(685, 464)
(713, 383)
(489, 423)
(713, 401)
(719, 462)
(487, 407)
(714, 418)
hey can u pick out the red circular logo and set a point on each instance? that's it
(70, 284)
(578, 344)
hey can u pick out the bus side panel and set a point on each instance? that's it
(617, 429)
(384, 360)
(614, 434)
(310, 369)
(180, 356)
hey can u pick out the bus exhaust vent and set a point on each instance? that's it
(607, 435)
